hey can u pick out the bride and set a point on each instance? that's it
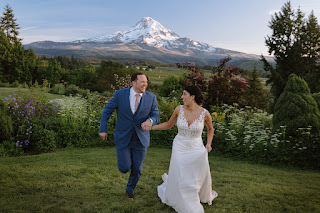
(189, 180)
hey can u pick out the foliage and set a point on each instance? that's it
(296, 108)
(171, 86)
(295, 45)
(106, 71)
(5, 122)
(9, 26)
(316, 97)
(195, 77)
(256, 96)
(224, 86)
(23, 111)
(121, 82)
(247, 133)
(58, 89)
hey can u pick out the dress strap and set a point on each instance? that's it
(181, 110)
(203, 113)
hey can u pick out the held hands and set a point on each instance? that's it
(208, 147)
(103, 135)
(147, 125)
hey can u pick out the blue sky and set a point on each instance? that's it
(240, 25)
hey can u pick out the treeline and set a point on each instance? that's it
(295, 44)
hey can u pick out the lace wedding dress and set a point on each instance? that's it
(189, 179)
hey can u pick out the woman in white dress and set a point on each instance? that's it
(189, 180)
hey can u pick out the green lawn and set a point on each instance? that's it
(4, 92)
(87, 180)
(158, 74)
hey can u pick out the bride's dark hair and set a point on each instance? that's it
(196, 91)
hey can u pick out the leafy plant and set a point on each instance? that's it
(296, 108)
(6, 128)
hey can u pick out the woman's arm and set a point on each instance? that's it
(170, 123)
(210, 130)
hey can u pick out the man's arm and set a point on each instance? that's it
(106, 114)
(154, 116)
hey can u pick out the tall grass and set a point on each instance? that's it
(87, 180)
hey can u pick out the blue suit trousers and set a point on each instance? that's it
(131, 158)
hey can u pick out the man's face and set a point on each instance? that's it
(140, 84)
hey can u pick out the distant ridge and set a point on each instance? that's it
(147, 39)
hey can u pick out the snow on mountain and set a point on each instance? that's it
(149, 31)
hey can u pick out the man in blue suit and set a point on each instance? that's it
(135, 107)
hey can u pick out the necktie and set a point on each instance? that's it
(136, 104)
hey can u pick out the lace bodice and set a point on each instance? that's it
(195, 129)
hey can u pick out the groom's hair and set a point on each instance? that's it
(135, 76)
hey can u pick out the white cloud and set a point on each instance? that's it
(27, 28)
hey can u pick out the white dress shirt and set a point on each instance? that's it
(132, 98)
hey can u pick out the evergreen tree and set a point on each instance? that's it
(256, 95)
(54, 72)
(7, 60)
(312, 56)
(296, 108)
(295, 45)
(9, 26)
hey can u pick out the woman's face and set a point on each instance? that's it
(186, 97)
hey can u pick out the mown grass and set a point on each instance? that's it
(157, 75)
(5, 92)
(87, 180)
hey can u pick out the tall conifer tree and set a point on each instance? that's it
(295, 45)
(9, 26)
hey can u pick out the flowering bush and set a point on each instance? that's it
(79, 120)
(121, 82)
(24, 111)
(248, 133)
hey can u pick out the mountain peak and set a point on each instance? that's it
(150, 32)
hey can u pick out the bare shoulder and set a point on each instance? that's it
(177, 110)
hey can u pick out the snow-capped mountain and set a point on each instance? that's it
(147, 40)
(149, 31)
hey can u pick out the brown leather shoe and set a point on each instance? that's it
(129, 196)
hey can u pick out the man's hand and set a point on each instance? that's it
(103, 135)
(146, 126)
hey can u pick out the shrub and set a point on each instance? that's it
(247, 133)
(44, 139)
(78, 121)
(72, 90)
(171, 85)
(6, 128)
(316, 97)
(58, 89)
(23, 112)
(296, 108)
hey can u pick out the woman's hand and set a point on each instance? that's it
(208, 147)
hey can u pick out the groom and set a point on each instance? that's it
(135, 107)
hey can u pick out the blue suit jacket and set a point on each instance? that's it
(127, 122)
